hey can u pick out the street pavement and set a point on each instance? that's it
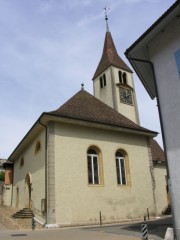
(62, 234)
(128, 231)
(156, 228)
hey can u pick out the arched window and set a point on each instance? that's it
(101, 82)
(124, 78)
(93, 166)
(104, 79)
(121, 169)
(21, 162)
(37, 147)
(120, 77)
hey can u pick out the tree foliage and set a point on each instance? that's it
(2, 175)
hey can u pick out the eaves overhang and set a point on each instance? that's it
(45, 118)
(138, 54)
(27, 139)
(100, 125)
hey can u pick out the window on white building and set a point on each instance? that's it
(177, 57)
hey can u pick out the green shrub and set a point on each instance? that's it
(2, 175)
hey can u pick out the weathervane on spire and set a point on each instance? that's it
(82, 86)
(106, 9)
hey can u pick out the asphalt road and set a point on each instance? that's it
(156, 228)
(130, 231)
(61, 234)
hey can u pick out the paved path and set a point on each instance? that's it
(62, 234)
(2, 227)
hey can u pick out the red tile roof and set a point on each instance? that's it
(84, 106)
(110, 57)
(157, 152)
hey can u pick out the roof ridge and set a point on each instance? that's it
(84, 106)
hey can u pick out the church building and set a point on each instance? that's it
(90, 160)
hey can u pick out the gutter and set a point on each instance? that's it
(45, 165)
(143, 61)
(143, 131)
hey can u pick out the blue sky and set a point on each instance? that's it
(49, 47)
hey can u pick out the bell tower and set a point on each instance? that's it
(113, 81)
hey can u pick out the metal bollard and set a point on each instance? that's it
(144, 229)
(100, 219)
(33, 223)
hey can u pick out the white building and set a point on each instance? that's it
(155, 56)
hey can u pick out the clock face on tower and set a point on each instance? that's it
(126, 96)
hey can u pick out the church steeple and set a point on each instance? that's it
(109, 56)
(113, 81)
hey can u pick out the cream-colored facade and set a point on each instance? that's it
(29, 177)
(80, 203)
(51, 164)
(111, 93)
(161, 191)
(70, 199)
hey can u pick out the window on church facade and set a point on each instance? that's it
(21, 162)
(120, 77)
(121, 169)
(124, 78)
(37, 147)
(94, 164)
(102, 81)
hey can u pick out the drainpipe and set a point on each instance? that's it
(162, 130)
(45, 166)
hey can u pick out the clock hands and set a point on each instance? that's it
(126, 96)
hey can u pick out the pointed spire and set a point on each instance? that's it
(110, 55)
